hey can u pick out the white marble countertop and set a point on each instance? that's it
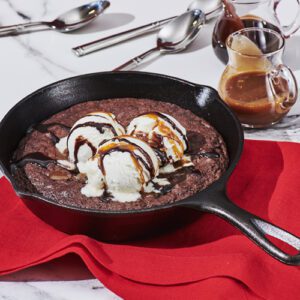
(31, 61)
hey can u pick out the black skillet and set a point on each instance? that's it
(126, 225)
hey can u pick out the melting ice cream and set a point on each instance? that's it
(124, 166)
(163, 133)
(86, 135)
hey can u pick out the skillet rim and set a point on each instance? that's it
(75, 209)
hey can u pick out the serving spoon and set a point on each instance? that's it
(69, 21)
(211, 8)
(173, 37)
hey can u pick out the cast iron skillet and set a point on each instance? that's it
(126, 225)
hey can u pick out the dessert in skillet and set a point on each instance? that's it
(120, 154)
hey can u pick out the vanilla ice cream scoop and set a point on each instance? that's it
(86, 135)
(123, 167)
(163, 133)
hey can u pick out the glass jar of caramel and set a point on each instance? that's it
(256, 84)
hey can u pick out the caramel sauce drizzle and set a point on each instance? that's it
(149, 163)
(158, 117)
(121, 144)
(117, 144)
(129, 148)
(156, 141)
(174, 126)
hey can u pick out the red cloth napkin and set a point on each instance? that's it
(208, 259)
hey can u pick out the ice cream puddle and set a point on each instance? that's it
(121, 165)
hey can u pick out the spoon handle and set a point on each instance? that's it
(22, 28)
(119, 37)
(136, 61)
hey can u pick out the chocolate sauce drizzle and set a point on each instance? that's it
(163, 189)
(106, 196)
(38, 157)
(44, 128)
(174, 126)
(99, 126)
(148, 164)
(157, 139)
(162, 156)
(194, 149)
(34, 158)
(80, 141)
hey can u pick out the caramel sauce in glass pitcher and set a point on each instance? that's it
(248, 94)
(255, 83)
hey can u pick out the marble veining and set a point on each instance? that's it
(44, 61)
(24, 41)
(30, 61)
(55, 290)
(287, 130)
(24, 16)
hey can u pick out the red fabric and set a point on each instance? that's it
(208, 259)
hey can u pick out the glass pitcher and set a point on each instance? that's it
(255, 84)
(239, 14)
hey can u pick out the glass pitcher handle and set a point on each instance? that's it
(284, 72)
(288, 30)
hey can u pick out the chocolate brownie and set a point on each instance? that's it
(206, 147)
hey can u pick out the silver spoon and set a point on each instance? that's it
(211, 8)
(173, 37)
(69, 21)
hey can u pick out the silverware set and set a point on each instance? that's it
(175, 33)
(211, 9)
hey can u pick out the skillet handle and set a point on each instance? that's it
(252, 226)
